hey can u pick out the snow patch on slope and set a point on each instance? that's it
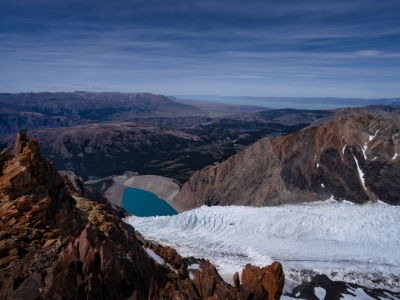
(360, 172)
(363, 151)
(154, 256)
(353, 243)
(320, 293)
(372, 137)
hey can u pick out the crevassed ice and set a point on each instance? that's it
(353, 243)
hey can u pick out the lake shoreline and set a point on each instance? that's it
(165, 188)
(143, 203)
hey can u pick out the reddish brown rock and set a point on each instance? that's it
(171, 257)
(4, 157)
(273, 280)
(20, 142)
(57, 244)
(309, 165)
(268, 280)
(5, 261)
(236, 282)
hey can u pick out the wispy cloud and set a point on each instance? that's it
(288, 48)
(369, 53)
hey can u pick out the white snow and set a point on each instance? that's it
(348, 202)
(171, 268)
(154, 256)
(320, 293)
(363, 151)
(360, 172)
(395, 155)
(372, 137)
(381, 202)
(194, 267)
(344, 148)
(322, 185)
(315, 157)
(317, 165)
(353, 243)
(158, 258)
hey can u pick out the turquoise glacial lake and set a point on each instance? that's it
(142, 203)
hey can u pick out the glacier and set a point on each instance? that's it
(352, 243)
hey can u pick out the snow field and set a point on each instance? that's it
(353, 243)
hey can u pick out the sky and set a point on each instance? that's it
(226, 48)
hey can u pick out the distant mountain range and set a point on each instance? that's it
(48, 110)
(292, 102)
(144, 133)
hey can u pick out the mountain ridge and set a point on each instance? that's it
(351, 159)
(47, 110)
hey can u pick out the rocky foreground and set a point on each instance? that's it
(56, 243)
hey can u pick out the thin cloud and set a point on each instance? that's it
(369, 53)
(262, 47)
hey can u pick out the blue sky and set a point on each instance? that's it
(227, 48)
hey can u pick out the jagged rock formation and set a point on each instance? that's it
(75, 186)
(355, 159)
(57, 244)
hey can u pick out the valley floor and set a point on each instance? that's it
(353, 243)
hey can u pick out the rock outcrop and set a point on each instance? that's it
(355, 158)
(337, 290)
(55, 243)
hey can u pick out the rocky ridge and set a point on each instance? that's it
(354, 158)
(57, 244)
(377, 111)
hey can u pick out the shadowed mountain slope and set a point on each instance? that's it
(354, 158)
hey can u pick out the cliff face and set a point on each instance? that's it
(354, 159)
(57, 244)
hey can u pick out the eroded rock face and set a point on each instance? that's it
(355, 159)
(57, 244)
